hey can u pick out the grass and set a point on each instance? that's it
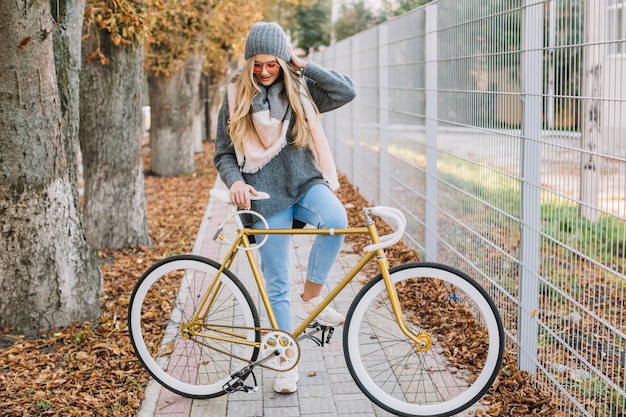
(481, 186)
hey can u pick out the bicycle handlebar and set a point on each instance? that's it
(393, 215)
(224, 195)
(398, 224)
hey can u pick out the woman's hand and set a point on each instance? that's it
(296, 63)
(240, 194)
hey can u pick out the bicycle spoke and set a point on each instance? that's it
(429, 378)
(180, 350)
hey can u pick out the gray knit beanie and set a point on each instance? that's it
(269, 39)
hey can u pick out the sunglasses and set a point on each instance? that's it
(272, 67)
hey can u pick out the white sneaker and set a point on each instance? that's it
(328, 317)
(287, 382)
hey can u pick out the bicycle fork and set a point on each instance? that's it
(422, 340)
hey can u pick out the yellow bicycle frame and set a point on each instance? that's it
(242, 240)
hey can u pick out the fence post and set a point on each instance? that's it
(532, 76)
(355, 121)
(592, 118)
(430, 88)
(383, 115)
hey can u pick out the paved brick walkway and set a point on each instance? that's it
(326, 388)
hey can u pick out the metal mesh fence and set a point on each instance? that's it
(497, 128)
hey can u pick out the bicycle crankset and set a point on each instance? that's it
(282, 349)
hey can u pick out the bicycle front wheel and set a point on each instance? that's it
(460, 334)
(193, 359)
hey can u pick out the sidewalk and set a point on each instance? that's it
(326, 388)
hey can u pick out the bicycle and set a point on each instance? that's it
(196, 329)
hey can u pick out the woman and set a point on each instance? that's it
(269, 138)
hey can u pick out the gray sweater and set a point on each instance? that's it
(291, 173)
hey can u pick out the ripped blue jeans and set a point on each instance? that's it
(320, 208)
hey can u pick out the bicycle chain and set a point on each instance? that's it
(260, 329)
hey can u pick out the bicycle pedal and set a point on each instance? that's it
(238, 386)
(327, 333)
(330, 331)
(317, 325)
(237, 383)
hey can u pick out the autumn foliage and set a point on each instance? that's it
(172, 31)
(90, 369)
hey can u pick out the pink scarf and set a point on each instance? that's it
(270, 117)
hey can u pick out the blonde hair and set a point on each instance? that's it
(240, 122)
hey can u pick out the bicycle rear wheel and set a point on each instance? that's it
(165, 298)
(461, 331)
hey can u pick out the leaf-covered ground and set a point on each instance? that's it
(90, 369)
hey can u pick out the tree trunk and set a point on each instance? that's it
(111, 141)
(208, 105)
(173, 103)
(197, 127)
(48, 275)
(205, 107)
(67, 47)
(216, 95)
